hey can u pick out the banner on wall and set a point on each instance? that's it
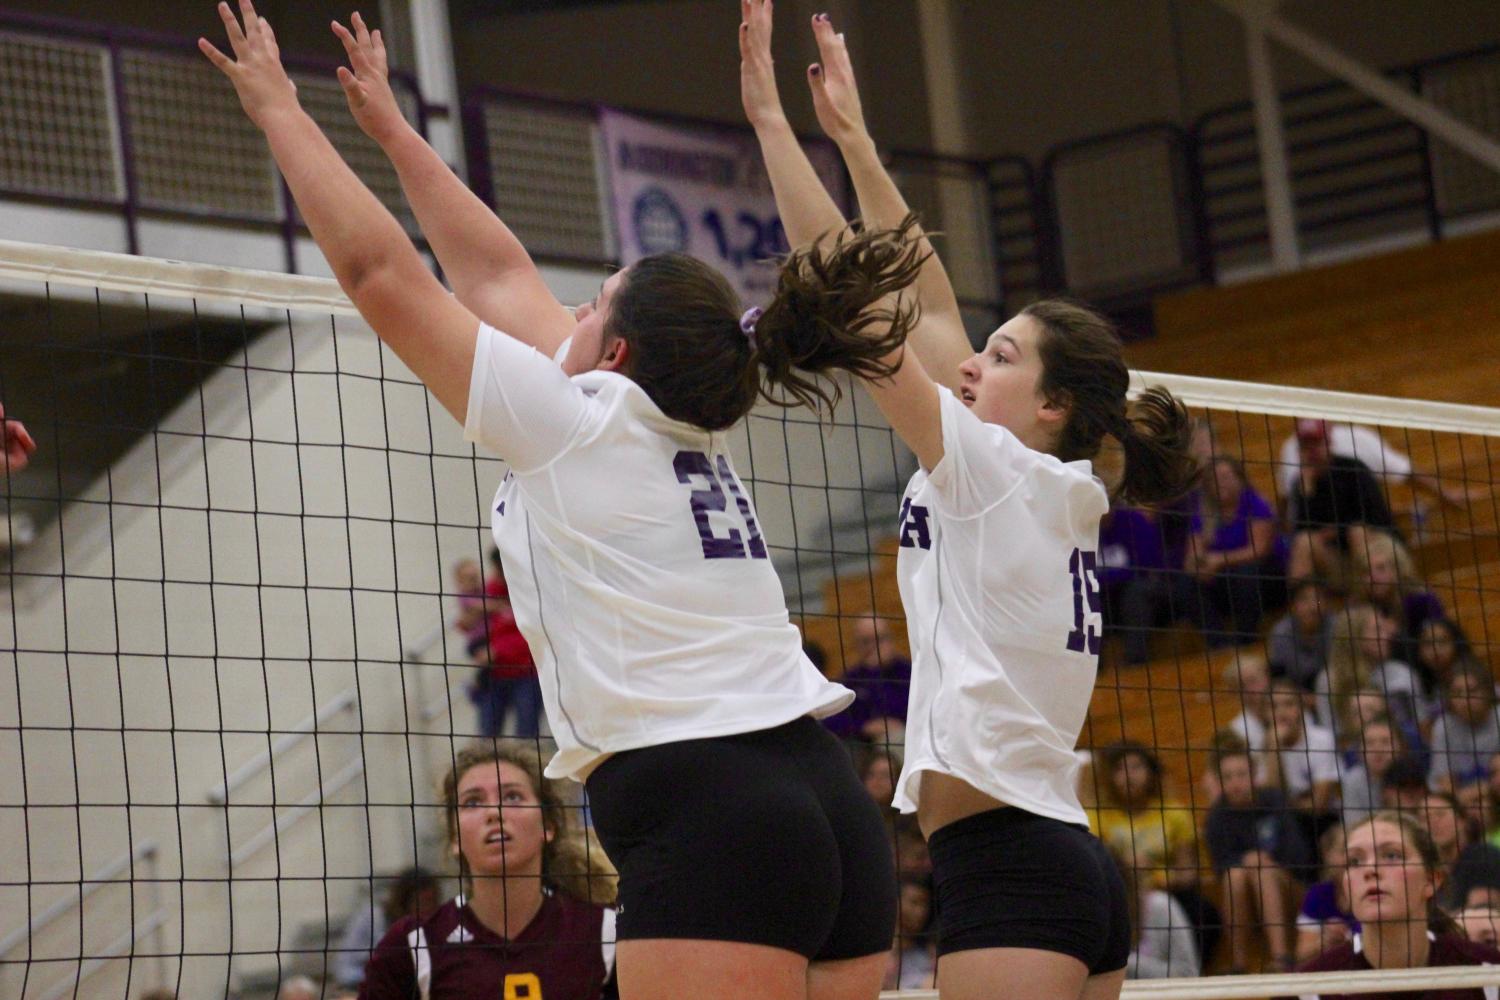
(703, 191)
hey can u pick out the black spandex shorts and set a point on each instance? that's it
(764, 838)
(1008, 878)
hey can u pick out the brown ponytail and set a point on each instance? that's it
(682, 320)
(1084, 369)
(837, 308)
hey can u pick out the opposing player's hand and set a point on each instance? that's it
(757, 70)
(256, 71)
(835, 94)
(17, 442)
(366, 80)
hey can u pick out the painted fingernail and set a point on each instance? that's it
(816, 70)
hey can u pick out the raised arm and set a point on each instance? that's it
(491, 272)
(939, 340)
(374, 261)
(807, 210)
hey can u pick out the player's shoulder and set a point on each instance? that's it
(575, 912)
(1342, 957)
(1454, 949)
(435, 926)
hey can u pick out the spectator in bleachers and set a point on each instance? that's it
(1441, 647)
(914, 953)
(878, 767)
(1175, 520)
(1362, 780)
(1405, 786)
(1162, 942)
(880, 678)
(1233, 554)
(1297, 646)
(1138, 590)
(16, 445)
(1480, 924)
(1324, 920)
(1333, 493)
(1155, 835)
(1249, 673)
(1391, 878)
(1359, 657)
(1389, 464)
(470, 621)
(910, 847)
(507, 676)
(1301, 759)
(1467, 733)
(299, 988)
(1386, 577)
(413, 893)
(1255, 845)
(533, 914)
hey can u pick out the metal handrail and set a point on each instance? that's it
(262, 761)
(120, 947)
(95, 881)
(304, 807)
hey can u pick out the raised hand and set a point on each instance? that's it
(757, 69)
(256, 71)
(366, 81)
(17, 444)
(835, 94)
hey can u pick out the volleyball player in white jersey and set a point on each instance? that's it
(752, 863)
(999, 532)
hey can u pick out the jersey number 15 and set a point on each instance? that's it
(695, 469)
(1086, 604)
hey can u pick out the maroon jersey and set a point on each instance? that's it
(1447, 949)
(565, 953)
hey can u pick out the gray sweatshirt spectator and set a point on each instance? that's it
(1297, 647)
(1467, 734)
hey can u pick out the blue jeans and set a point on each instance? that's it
(494, 695)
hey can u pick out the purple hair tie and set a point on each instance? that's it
(748, 321)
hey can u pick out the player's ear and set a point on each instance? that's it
(616, 351)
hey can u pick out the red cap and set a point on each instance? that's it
(1311, 429)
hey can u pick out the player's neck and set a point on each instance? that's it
(507, 905)
(1398, 944)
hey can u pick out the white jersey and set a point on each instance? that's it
(997, 560)
(636, 567)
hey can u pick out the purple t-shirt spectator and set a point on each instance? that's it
(880, 692)
(1129, 542)
(1234, 532)
(1175, 524)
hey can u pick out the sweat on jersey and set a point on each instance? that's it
(636, 565)
(998, 572)
(567, 952)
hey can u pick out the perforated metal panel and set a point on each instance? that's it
(56, 130)
(324, 100)
(1120, 213)
(544, 176)
(194, 149)
(952, 199)
(1470, 90)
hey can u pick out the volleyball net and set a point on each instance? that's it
(233, 678)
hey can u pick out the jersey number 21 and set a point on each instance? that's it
(695, 469)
